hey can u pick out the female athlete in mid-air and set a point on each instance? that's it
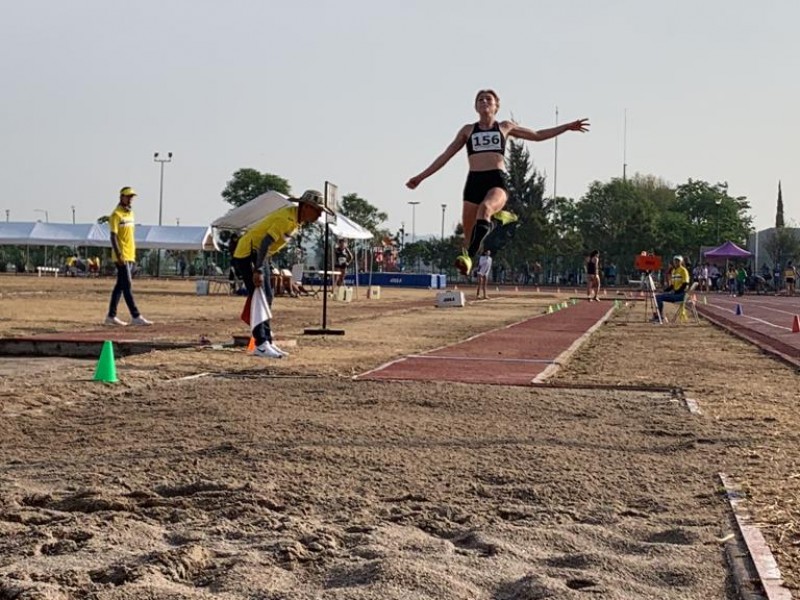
(486, 191)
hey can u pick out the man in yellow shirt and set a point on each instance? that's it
(262, 240)
(674, 292)
(123, 252)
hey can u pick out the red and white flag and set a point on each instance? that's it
(256, 309)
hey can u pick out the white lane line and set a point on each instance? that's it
(756, 319)
(758, 304)
(693, 407)
(566, 354)
(769, 574)
(380, 368)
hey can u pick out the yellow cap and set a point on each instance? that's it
(128, 191)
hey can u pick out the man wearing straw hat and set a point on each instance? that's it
(262, 240)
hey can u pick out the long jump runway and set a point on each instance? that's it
(522, 353)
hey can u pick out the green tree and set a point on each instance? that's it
(707, 208)
(247, 184)
(565, 241)
(783, 245)
(779, 222)
(526, 187)
(363, 213)
(618, 219)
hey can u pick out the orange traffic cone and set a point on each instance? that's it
(251, 345)
(796, 324)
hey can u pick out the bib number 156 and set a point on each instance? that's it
(483, 141)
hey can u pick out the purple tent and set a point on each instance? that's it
(727, 250)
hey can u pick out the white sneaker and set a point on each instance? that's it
(115, 321)
(266, 350)
(140, 320)
(278, 350)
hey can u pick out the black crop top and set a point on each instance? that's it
(489, 140)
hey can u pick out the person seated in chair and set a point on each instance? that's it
(286, 283)
(676, 288)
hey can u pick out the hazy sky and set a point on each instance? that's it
(366, 93)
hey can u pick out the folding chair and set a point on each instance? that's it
(687, 307)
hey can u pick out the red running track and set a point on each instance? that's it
(522, 353)
(765, 321)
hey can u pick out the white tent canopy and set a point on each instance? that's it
(251, 212)
(96, 235)
(53, 234)
(172, 237)
(256, 209)
(347, 228)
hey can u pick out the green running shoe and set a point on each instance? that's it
(505, 217)
(463, 264)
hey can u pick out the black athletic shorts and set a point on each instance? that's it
(480, 182)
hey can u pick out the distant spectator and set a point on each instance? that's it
(611, 274)
(730, 277)
(741, 280)
(714, 275)
(789, 276)
(593, 275)
(483, 271)
(343, 256)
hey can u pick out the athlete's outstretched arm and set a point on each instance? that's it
(581, 125)
(442, 159)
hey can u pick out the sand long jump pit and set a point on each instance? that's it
(300, 487)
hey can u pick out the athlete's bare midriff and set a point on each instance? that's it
(487, 161)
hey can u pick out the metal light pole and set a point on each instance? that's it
(161, 202)
(625, 146)
(414, 226)
(73, 214)
(718, 202)
(413, 220)
(555, 162)
(8, 214)
(444, 207)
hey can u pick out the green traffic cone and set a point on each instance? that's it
(106, 370)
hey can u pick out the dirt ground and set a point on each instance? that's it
(209, 473)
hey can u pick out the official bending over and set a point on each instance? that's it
(262, 240)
